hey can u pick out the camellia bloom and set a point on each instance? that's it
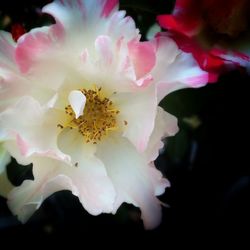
(213, 31)
(79, 100)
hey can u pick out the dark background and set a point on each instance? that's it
(207, 164)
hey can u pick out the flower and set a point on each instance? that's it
(79, 100)
(213, 31)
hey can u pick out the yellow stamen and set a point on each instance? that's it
(99, 116)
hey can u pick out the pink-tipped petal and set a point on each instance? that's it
(142, 55)
(206, 59)
(175, 69)
(103, 45)
(121, 26)
(37, 47)
(109, 6)
(12, 84)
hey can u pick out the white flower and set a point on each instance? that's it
(84, 108)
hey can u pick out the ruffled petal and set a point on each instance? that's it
(85, 176)
(180, 70)
(159, 183)
(31, 47)
(83, 14)
(123, 27)
(91, 19)
(24, 200)
(38, 45)
(165, 125)
(132, 178)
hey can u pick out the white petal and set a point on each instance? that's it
(36, 130)
(5, 184)
(24, 200)
(103, 46)
(12, 84)
(7, 49)
(175, 69)
(159, 183)
(132, 177)
(88, 181)
(96, 191)
(14, 150)
(165, 125)
(4, 158)
(77, 101)
(138, 109)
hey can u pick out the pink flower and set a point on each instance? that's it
(213, 31)
(79, 100)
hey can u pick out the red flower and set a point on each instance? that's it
(211, 30)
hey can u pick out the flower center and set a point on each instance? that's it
(98, 119)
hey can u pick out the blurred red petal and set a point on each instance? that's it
(17, 30)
